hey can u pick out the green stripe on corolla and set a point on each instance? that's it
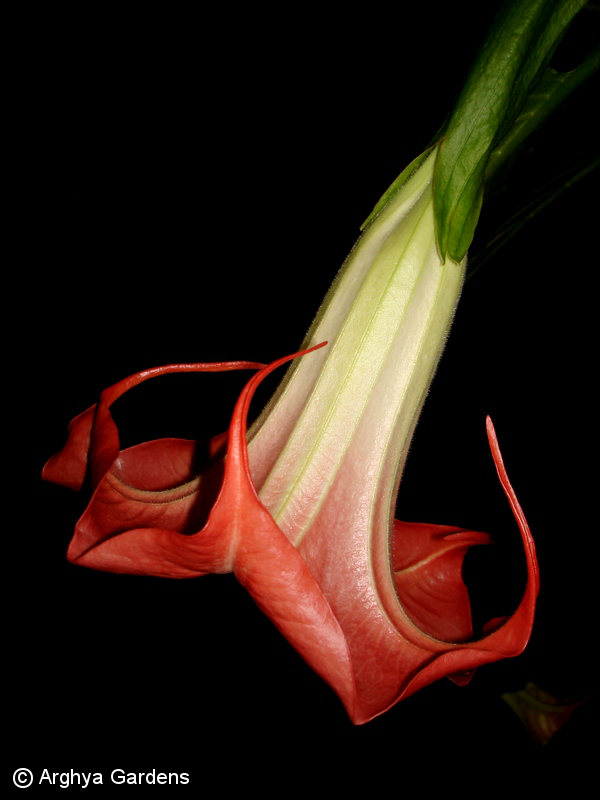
(386, 322)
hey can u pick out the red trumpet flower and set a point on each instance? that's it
(150, 514)
(301, 515)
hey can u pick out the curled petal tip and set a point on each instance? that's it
(302, 514)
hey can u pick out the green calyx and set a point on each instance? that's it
(508, 93)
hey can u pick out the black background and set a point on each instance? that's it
(187, 190)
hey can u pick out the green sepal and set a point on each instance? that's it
(460, 238)
(510, 64)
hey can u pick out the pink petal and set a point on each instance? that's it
(374, 638)
(146, 530)
(428, 562)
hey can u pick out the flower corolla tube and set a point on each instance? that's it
(301, 509)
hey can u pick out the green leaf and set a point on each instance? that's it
(509, 66)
